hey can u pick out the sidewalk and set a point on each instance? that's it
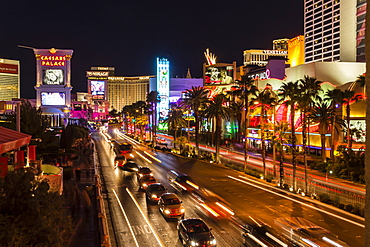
(80, 194)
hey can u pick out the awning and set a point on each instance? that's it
(11, 139)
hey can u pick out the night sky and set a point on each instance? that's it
(129, 35)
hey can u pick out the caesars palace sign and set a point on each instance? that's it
(53, 60)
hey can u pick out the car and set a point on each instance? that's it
(144, 171)
(144, 181)
(161, 141)
(261, 234)
(120, 161)
(171, 207)
(181, 181)
(154, 192)
(195, 232)
(130, 167)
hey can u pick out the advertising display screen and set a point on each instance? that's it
(53, 77)
(97, 89)
(53, 98)
(218, 75)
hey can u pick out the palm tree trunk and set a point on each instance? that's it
(196, 132)
(304, 142)
(332, 130)
(263, 144)
(294, 155)
(246, 124)
(218, 137)
(281, 160)
(349, 136)
(323, 139)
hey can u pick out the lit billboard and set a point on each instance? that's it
(216, 75)
(53, 98)
(53, 77)
(163, 86)
(97, 89)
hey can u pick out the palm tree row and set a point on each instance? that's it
(307, 110)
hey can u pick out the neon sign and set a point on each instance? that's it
(53, 60)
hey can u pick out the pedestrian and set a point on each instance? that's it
(78, 174)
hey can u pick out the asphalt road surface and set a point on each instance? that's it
(138, 223)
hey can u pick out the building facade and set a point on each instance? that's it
(9, 79)
(334, 30)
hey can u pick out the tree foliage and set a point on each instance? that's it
(29, 215)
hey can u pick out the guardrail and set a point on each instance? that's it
(102, 216)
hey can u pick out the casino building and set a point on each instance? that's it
(114, 92)
(53, 84)
(9, 79)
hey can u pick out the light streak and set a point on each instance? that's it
(192, 185)
(225, 208)
(126, 218)
(142, 156)
(154, 158)
(332, 242)
(213, 212)
(291, 199)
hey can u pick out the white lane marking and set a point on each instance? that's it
(146, 218)
(124, 214)
(307, 205)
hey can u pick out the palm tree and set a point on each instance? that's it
(195, 98)
(152, 99)
(310, 89)
(349, 96)
(335, 97)
(245, 90)
(279, 139)
(322, 114)
(290, 92)
(236, 109)
(266, 98)
(175, 121)
(217, 110)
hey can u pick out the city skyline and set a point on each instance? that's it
(130, 36)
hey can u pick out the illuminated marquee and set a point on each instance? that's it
(163, 87)
(275, 52)
(53, 60)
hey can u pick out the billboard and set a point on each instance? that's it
(163, 86)
(219, 75)
(8, 68)
(53, 98)
(53, 77)
(97, 89)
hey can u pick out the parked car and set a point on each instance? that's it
(195, 232)
(154, 192)
(144, 181)
(144, 171)
(170, 206)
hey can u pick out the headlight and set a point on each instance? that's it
(167, 211)
(193, 243)
(131, 155)
(140, 175)
(154, 196)
(144, 185)
(182, 210)
(151, 174)
(213, 242)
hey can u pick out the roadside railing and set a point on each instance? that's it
(102, 216)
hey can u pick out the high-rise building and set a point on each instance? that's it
(334, 30)
(9, 79)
